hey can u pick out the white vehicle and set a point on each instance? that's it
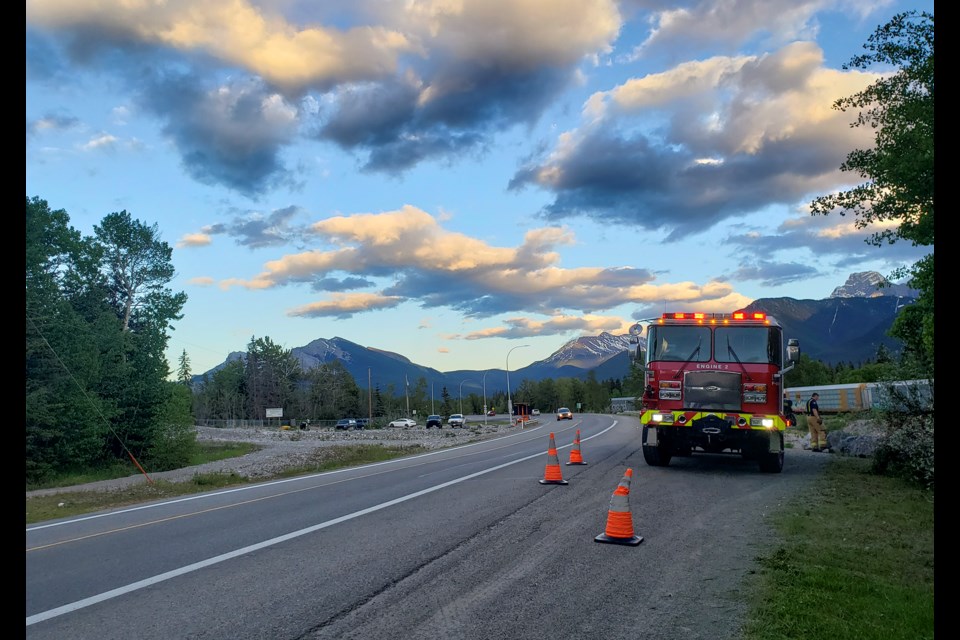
(456, 420)
(402, 422)
(535, 412)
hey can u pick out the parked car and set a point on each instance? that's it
(346, 424)
(491, 412)
(535, 412)
(402, 422)
(456, 420)
(564, 414)
(434, 421)
(363, 423)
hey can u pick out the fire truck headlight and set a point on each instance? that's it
(662, 418)
(766, 423)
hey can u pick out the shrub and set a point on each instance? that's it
(906, 449)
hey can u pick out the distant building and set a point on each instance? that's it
(619, 405)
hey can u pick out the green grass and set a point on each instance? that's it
(853, 560)
(204, 452)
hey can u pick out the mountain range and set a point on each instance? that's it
(847, 327)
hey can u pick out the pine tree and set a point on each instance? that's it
(184, 376)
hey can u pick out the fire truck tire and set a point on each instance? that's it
(772, 462)
(657, 454)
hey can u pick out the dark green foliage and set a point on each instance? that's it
(378, 405)
(184, 375)
(95, 369)
(809, 373)
(175, 443)
(898, 188)
(271, 374)
(899, 169)
(137, 268)
(446, 403)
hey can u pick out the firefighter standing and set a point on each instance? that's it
(818, 435)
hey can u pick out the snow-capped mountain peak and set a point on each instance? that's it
(870, 284)
(590, 351)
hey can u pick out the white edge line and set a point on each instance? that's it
(113, 593)
(210, 494)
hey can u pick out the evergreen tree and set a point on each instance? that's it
(378, 406)
(272, 374)
(184, 376)
(446, 406)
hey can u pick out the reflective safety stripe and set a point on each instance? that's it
(551, 474)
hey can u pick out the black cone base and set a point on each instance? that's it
(554, 482)
(631, 541)
(570, 463)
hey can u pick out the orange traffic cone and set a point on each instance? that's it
(575, 455)
(619, 521)
(551, 474)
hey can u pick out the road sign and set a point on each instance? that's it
(275, 413)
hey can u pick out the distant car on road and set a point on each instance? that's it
(535, 412)
(456, 420)
(403, 422)
(491, 412)
(564, 414)
(346, 424)
(434, 421)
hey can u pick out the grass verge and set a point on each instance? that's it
(65, 505)
(854, 561)
(204, 452)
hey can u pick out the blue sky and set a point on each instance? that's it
(450, 179)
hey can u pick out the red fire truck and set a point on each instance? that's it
(714, 384)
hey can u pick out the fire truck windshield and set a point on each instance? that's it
(679, 343)
(747, 345)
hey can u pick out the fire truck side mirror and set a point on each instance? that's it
(635, 332)
(793, 350)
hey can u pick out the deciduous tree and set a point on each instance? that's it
(898, 172)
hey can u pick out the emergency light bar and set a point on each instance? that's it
(697, 316)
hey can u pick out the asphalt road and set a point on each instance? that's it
(458, 543)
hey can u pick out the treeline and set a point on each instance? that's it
(97, 314)
(884, 367)
(268, 376)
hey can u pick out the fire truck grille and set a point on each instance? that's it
(711, 390)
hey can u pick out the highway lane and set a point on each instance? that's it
(459, 543)
(423, 503)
